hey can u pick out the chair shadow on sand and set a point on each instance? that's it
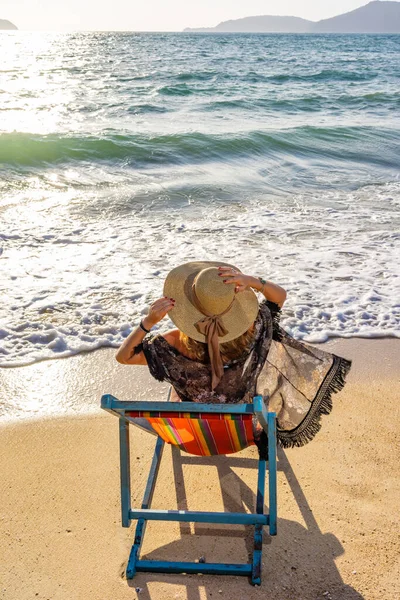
(299, 563)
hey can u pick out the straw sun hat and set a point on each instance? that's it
(207, 309)
(200, 279)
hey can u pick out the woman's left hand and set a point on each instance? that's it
(239, 280)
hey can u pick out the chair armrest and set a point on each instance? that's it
(261, 412)
(118, 407)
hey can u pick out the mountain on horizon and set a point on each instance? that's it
(6, 25)
(374, 17)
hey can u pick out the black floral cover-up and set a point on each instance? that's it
(295, 379)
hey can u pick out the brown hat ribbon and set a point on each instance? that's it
(212, 327)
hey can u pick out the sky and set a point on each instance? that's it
(157, 15)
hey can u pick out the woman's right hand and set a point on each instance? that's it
(157, 311)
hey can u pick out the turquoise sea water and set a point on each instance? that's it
(122, 155)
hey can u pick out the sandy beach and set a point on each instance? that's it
(338, 497)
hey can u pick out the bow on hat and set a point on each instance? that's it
(212, 327)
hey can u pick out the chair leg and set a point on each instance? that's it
(272, 485)
(148, 495)
(258, 529)
(125, 472)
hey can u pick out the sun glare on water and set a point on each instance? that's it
(33, 96)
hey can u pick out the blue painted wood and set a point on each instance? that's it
(107, 400)
(257, 556)
(262, 467)
(131, 567)
(261, 412)
(258, 530)
(147, 498)
(154, 468)
(112, 404)
(272, 473)
(158, 566)
(193, 516)
(125, 475)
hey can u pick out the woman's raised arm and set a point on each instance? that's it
(127, 353)
(272, 291)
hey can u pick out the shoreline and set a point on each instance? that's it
(338, 496)
(77, 382)
(327, 341)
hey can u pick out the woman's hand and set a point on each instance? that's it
(157, 311)
(239, 280)
(127, 354)
(271, 291)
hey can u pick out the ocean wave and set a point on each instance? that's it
(311, 103)
(325, 75)
(178, 81)
(179, 89)
(358, 143)
(197, 76)
(139, 109)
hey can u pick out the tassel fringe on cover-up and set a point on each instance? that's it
(322, 405)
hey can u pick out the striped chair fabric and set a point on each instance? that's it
(202, 434)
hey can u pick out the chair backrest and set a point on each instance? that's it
(202, 434)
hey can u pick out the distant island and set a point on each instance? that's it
(375, 17)
(6, 25)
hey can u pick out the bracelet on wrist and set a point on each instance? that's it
(263, 282)
(143, 328)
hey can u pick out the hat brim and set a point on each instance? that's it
(178, 285)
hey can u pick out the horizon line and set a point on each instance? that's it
(195, 31)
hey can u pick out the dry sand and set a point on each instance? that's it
(338, 497)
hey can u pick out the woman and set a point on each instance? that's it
(228, 347)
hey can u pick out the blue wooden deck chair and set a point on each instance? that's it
(194, 427)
